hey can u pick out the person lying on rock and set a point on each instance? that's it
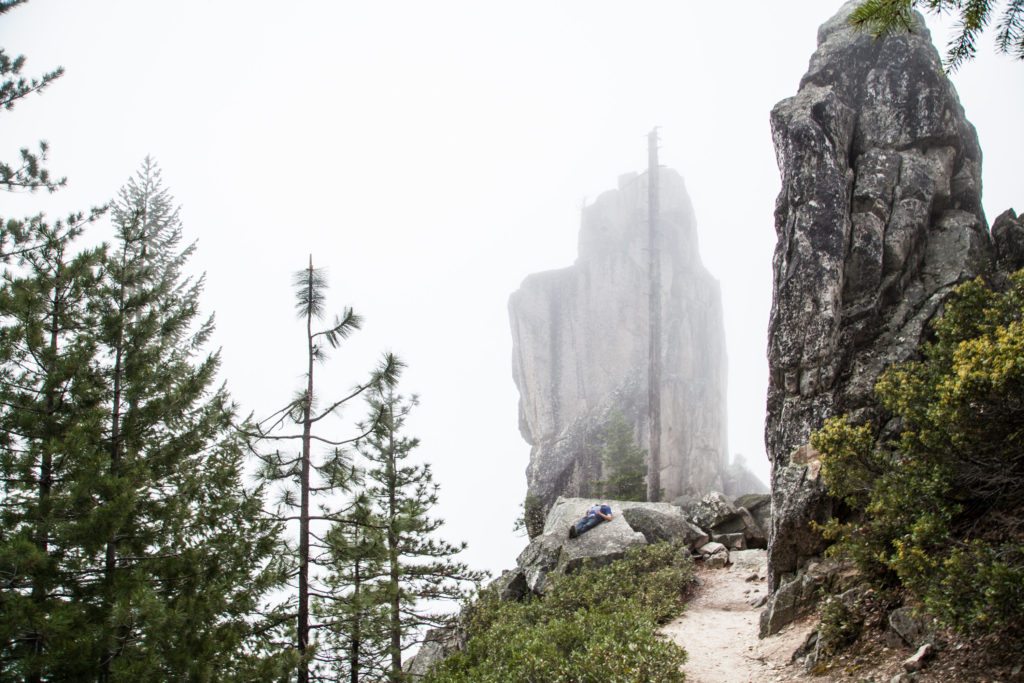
(595, 515)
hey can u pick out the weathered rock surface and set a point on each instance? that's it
(553, 551)
(511, 585)
(760, 507)
(580, 349)
(909, 627)
(714, 554)
(798, 593)
(1008, 235)
(746, 526)
(438, 644)
(917, 661)
(710, 510)
(540, 559)
(658, 526)
(879, 217)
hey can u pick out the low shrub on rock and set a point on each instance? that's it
(596, 624)
(938, 490)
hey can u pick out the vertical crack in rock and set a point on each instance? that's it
(878, 218)
(580, 346)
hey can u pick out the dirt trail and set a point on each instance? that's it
(719, 628)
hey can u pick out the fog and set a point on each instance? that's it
(430, 156)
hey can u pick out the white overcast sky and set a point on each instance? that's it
(430, 155)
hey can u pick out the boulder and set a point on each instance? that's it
(554, 551)
(734, 541)
(910, 628)
(599, 546)
(658, 526)
(760, 507)
(714, 554)
(710, 510)
(743, 523)
(917, 661)
(565, 511)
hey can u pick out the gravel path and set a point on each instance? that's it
(719, 628)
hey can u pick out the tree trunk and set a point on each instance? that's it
(654, 304)
(110, 565)
(356, 631)
(40, 589)
(307, 425)
(394, 575)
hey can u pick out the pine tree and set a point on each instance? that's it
(49, 399)
(302, 476)
(884, 16)
(181, 554)
(27, 173)
(419, 567)
(354, 604)
(623, 461)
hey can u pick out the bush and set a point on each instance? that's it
(598, 624)
(939, 500)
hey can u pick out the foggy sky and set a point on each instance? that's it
(430, 156)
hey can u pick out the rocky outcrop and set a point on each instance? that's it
(878, 219)
(797, 594)
(580, 349)
(633, 524)
(438, 644)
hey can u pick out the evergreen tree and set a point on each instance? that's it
(27, 173)
(624, 462)
(354, 605)
(419, 568)
(49, 405)
(181, 554)
(883, 16)
(301, 477)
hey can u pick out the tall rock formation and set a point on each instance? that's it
(580, 347)
(878, 219)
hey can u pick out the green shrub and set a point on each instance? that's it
(841, 625)
(598, 624)
(938, 503)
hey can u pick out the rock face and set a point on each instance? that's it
(580, 348)
(633, 524)
(878, 219)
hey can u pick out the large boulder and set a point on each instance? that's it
(565, 511)
(759, 505)
(658, 526)
(878, 219)
(710, 510)
(554, 551)
(580, 347)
